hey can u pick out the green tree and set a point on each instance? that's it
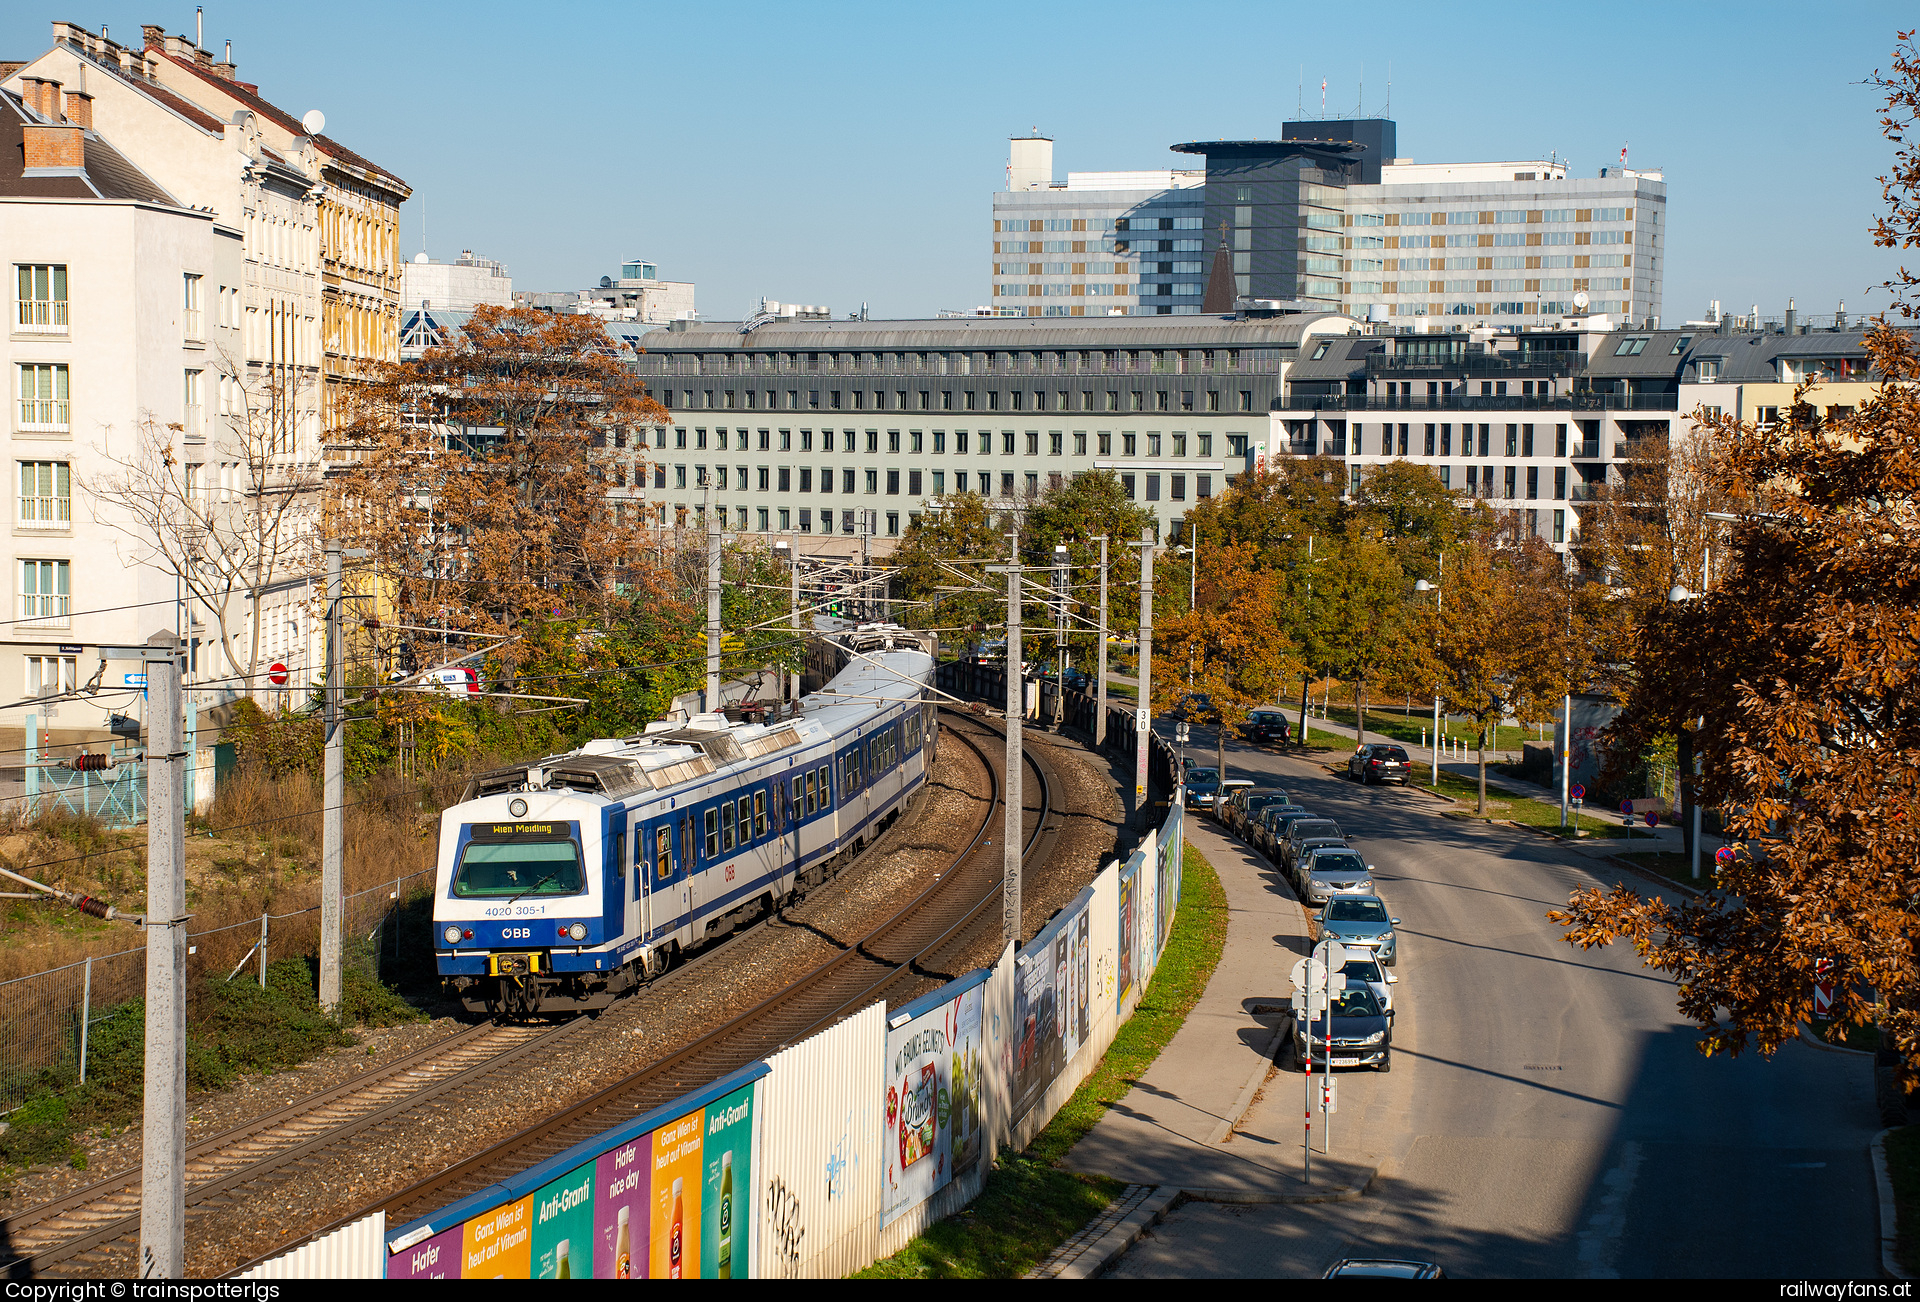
(1364, 617)
(940, 579)
(1086, 507)
(1415, 515)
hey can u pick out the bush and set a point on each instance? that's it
(40, 1131)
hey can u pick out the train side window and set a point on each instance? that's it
(663, 864)
(726, 826)
(713, 834)
(799, 797)
(826, 788)
(746, 823)
(813, 795)
(759, 813)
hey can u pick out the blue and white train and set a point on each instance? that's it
(567, 882)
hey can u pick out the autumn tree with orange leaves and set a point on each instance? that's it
(483, 475)
(1802, 669)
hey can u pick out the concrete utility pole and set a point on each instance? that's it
(1016, 711)
(793, 571)
(869, 519)
(1060, 635)
(1143, 714)
(163, 1172)
(333, 787)
(1100, 679)
(713, 603)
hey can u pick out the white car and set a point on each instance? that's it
(456, 681)
(1375, 978)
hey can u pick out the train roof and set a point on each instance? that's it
(886, 664)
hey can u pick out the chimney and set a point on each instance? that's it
(58, 146)
(80, 109)
(1793, 318)
(43, 97)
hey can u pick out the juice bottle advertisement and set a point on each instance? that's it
(1125, 942)
(435, 1258)
(621, 1187)
(674, 1247)
(727, 1157)
(563, 1226)
(930, 1111)
(498, 1244)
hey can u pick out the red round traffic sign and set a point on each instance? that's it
(1653, 818)
(1724, 854)
(277, 674)
(1577, 792)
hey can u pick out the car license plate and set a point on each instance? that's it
(1346, 1062)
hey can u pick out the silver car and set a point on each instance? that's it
(1300, 831)
(1363, 921)
(1333, 870)
(1375, 978)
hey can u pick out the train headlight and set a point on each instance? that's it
(517, 807)
(578, 931)
(452, 934)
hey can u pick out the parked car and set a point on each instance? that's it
(1376, 979)
(1355, 1032)
(1380, 762)
(1202, 786)
(1297, 831)
(1242, 809)
(1382, 1268)
(1300, 854)
(1362, 921)
(1078, 680)
(1264, 726)
(1332, 870)
(1274, 820)
(1224, 796)
(1194, 707)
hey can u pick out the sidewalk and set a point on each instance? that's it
(1174, 1129)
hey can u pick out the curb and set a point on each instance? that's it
(1244, 1099)
(1113, 1245)
(1807, 1036)
(1889, 1218)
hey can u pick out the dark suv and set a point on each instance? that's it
(1377, 762)
(1266, 726)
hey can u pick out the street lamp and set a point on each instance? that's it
(1679, 595)
(1439, 597)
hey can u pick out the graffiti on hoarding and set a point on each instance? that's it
(784, 1228)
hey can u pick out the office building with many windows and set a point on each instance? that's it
(837, 427)
(1330, 218)
(1536, 421)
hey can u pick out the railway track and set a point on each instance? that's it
(94, 1230)
(942, 922)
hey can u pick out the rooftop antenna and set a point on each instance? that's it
(1300, 94)
(1323, 99)
(1389, 108)
(1361, 111)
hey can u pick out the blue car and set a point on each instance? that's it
(1202, 786)
(1361, 922)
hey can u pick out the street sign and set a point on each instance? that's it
(277, 674)
(1724, 855)
(1331, 953)
(1330, 1095)
(1626, 806)
(1653, 818)
(1309, 974)
(1314, 1001)
(1823, 987)
(1577, 792)
(136, 680)
(1142, 719)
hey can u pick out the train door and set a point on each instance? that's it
(686, 867)
(638, 920)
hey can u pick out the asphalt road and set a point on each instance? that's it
(1548, 1113)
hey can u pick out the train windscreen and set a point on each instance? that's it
(522, 865)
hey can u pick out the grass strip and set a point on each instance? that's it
(1030, 1205)
(1903, 1165)
(1416, 728)
(1519, 809)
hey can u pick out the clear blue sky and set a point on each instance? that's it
(840, 153)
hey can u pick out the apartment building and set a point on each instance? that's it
(829, 428)
(463, 284)
(120, 312)
(1533, 421)
(1330, 218)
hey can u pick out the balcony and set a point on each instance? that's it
(1589, 450)
(42, 316)
(1453, 402)
(1501, 365)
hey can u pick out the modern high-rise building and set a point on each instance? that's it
(1330, 217)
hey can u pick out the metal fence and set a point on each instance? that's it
(48, 1019)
